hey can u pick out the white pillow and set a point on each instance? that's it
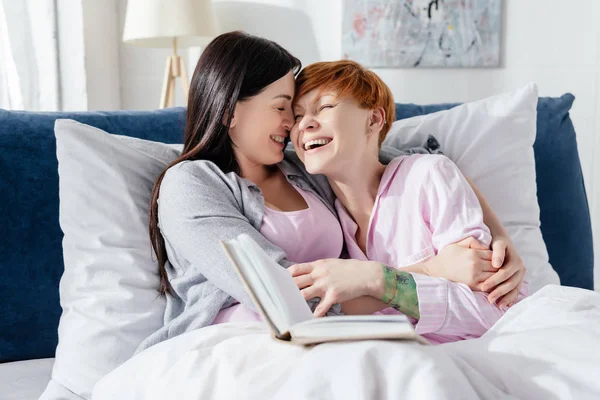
(491, 140)
(108, 291)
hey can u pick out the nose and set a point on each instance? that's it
(308, 123)
(288, 120)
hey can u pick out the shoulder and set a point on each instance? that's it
(420, 165)
(201, 169)
(419, 171)
(199, 178)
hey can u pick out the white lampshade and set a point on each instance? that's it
(154, 23)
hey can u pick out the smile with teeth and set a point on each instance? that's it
(313, 144)
(278, 139)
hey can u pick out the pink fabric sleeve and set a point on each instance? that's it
(451, 207)
(454, 213)
(453, 309)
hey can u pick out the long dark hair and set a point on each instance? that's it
(234, 67)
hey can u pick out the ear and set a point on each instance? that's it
(376, 121)
(233, 118)
(233, 121)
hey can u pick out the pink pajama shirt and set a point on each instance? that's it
(306, 235)
(423, 204)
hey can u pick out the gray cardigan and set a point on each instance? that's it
(198, 206)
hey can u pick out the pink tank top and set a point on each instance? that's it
(305, 235)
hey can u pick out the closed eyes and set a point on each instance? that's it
(323, 107)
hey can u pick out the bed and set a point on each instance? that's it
(24, 380)
(536, 351)
(43, 349)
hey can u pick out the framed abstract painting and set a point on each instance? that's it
(422, 33)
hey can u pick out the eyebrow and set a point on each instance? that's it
(317, 100)
(283, 96)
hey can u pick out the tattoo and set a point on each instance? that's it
(402, 279)
(400, 291)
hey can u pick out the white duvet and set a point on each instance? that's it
(546, 347)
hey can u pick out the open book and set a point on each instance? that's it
(282, 306)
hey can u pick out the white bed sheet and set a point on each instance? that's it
(25, 380)
(546, 347)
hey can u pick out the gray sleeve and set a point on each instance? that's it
(199, 206)
(394, 146)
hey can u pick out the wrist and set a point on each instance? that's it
(375, 285)
(505, 237)
(500, 233)
(427, 267)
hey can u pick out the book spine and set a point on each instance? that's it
(286, 336)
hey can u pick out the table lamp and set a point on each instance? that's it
(170, 23)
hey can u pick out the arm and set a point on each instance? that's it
(386, 290)
(198, 207)
(436, 305)
(504, 286)
(445, 308)
(490, 218)
(470, 265)
(470, 261)
(507, 284)
(449, 308)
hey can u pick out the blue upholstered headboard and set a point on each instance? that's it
(31, 260)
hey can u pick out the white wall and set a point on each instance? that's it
(553, 43)
(101, 40)
(74, 94)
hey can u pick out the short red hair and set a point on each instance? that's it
(349, 78)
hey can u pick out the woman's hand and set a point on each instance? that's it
(498, 272)
(468, 262)
(335, 280)
(505, 284)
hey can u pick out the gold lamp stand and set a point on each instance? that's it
(174, 69)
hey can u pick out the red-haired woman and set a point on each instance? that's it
(394, 217)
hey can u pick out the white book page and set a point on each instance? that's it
(279, 283)
(255, 287)
(272, 284)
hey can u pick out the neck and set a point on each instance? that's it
(356, 188)
(256, 173)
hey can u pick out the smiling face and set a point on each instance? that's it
(261, 124)
(342, 113)
(331, 132)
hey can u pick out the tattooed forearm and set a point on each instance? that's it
(400, 291)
